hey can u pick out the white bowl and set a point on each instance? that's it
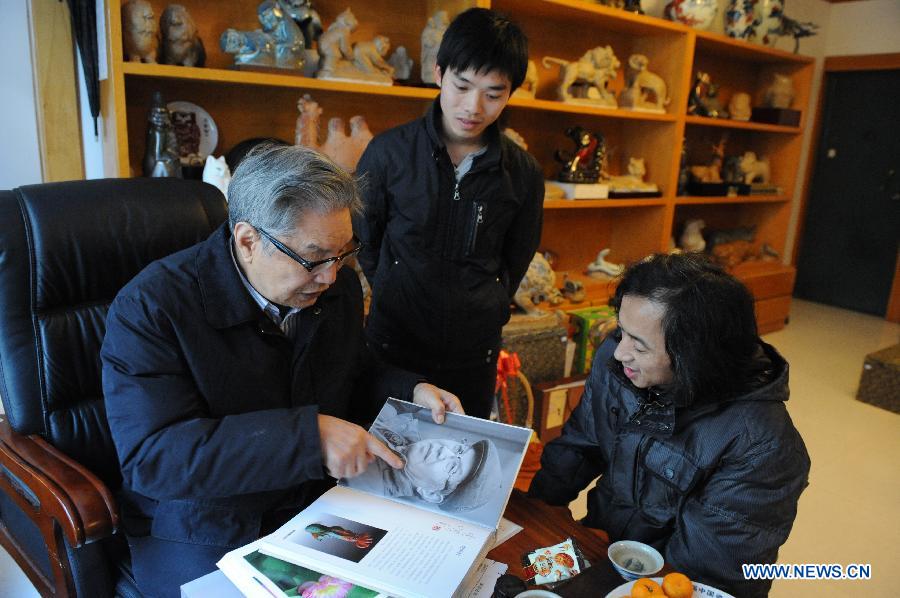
(634, 560)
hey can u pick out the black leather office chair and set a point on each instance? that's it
(65, 251)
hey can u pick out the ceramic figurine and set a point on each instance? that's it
(573, 290)
(704, 98)
(797, 30)
(755, 170)
(538, 285)
(692, 238)
(529, 86)
(586, 80)
(739, 106)
(161, 148)
(216, 173)
(740, 19)
(306, 131)
(600, 267)
(368, 57)
(711, 173)
(402, 64)
(431, 41)
(307, 20)
(585, 163)
(634, 180)
(255, 48)
(698, 14)
(139, 31)
(344, 149)
(289, 44)
(180, 43)
(769, 14)
(780, 93)
(643, 90)
(633, 6)
(336, 51)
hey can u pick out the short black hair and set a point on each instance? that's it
(485, 41)
(709, 324)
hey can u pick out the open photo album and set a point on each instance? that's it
(418, 531)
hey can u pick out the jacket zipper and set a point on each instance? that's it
(456, 192)
(478, 219)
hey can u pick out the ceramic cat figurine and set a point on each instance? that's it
(216, 173)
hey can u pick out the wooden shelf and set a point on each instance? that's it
(556, 106)
(575, 204)
(727, 123)
(744, 50)
(565, 29)
(601, 17)
(737, 199)
(248, 77)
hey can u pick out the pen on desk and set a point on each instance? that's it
(256, 579)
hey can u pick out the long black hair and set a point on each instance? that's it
(709, 324)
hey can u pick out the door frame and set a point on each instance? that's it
(837, 64)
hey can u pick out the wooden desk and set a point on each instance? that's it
(546, 525)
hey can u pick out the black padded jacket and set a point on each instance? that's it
(711, 487)
(444, 259)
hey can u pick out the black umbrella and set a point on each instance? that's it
(84, 25)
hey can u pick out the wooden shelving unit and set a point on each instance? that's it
(248, 104)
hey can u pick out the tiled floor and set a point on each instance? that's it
(849, 513)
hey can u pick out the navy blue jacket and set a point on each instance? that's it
(710, 487)
(444, 259)
(213, 410)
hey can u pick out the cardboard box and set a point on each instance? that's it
(591, 325)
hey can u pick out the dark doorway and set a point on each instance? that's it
(848, 251)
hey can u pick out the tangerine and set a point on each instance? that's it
(677, 585)
(646, 588)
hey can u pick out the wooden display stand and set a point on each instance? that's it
(247, 104)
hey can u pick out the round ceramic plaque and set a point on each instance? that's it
(195, 130)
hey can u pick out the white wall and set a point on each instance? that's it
(868, 27)
(19, 152)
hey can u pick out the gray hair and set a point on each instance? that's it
(274, 185)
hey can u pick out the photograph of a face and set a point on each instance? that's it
(464, 467)
(337, 536)
(295, 580)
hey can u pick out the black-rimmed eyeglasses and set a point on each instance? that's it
(318, 265)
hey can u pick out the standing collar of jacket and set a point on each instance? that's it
(225, 300)
(434, 127)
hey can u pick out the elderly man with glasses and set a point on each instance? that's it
(235, 372)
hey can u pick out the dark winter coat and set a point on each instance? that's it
(213, 410)
(710, 487)
(444, 259)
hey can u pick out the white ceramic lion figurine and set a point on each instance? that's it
(593, 71)
(643, 90)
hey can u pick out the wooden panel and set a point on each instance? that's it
(866, 62)
(772, 314)
(56, 91)
(767, 280)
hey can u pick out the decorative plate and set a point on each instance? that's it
(195, 130)
(701, 590)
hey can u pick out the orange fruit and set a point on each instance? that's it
(644, 588)
(677, 585)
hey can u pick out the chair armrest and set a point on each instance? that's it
(51, 487)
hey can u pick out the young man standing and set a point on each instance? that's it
(453, 213)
